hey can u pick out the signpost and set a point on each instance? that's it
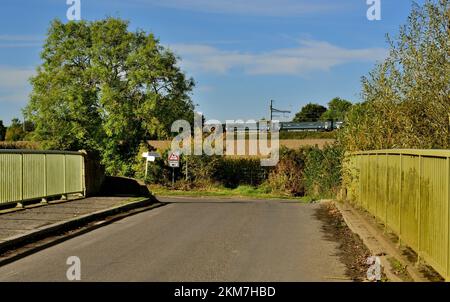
(174, 162)
(151, 157)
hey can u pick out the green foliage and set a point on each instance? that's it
(406, 98)
(306, 171)
(105, 89)
(310, 113)
(157, 171)
(15, 132)
(20, 145)
(287, 176)
(202, 170)
(2, 131)
(233, 172)
(337, 109)
(323, 171)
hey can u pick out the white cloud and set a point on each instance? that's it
(14, 85)
(21, 38)
(11, 77)
(18, 41)
(278, 8)
(309, 56)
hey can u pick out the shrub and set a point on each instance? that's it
(405, 98)
(233, 172)
(20, 145)
(305, 171)
(286, 177)
(322, 172)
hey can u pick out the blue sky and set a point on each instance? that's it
(241, 53)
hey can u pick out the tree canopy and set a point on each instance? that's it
(406, 98)
(15, 132)
(105, 89)
(310, 113)
(337, 109)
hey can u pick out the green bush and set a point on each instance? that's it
(287, 176)
(322, 173)
(20, 145)
(305, 171)
(405, 99)
(157, 172)
(233, 172)
(202, 170)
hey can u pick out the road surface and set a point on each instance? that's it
(196, 240)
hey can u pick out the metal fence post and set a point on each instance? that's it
(447, 229)
(419, 211)
(64, 196)
(44, 200)
(387, 194)
(361, 181)
(20, 204)
(367, 197)
(377, 170)
(83, 174)
(400, 202)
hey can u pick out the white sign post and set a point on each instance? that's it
(150, 157)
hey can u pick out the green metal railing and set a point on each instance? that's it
(408, 190)
(32, 175)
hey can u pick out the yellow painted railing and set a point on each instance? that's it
(31, 175)
(408, 190)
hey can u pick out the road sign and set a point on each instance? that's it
(151, 156)
(174, 160)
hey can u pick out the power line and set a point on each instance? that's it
(274, 110)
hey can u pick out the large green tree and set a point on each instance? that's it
(106, 89)
(337, 109)
(310, 113)
(406, 98)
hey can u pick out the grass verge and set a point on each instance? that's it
(241, 191)
(400, 270)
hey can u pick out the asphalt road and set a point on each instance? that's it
(196, 240)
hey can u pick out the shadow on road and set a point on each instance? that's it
(122, 186)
